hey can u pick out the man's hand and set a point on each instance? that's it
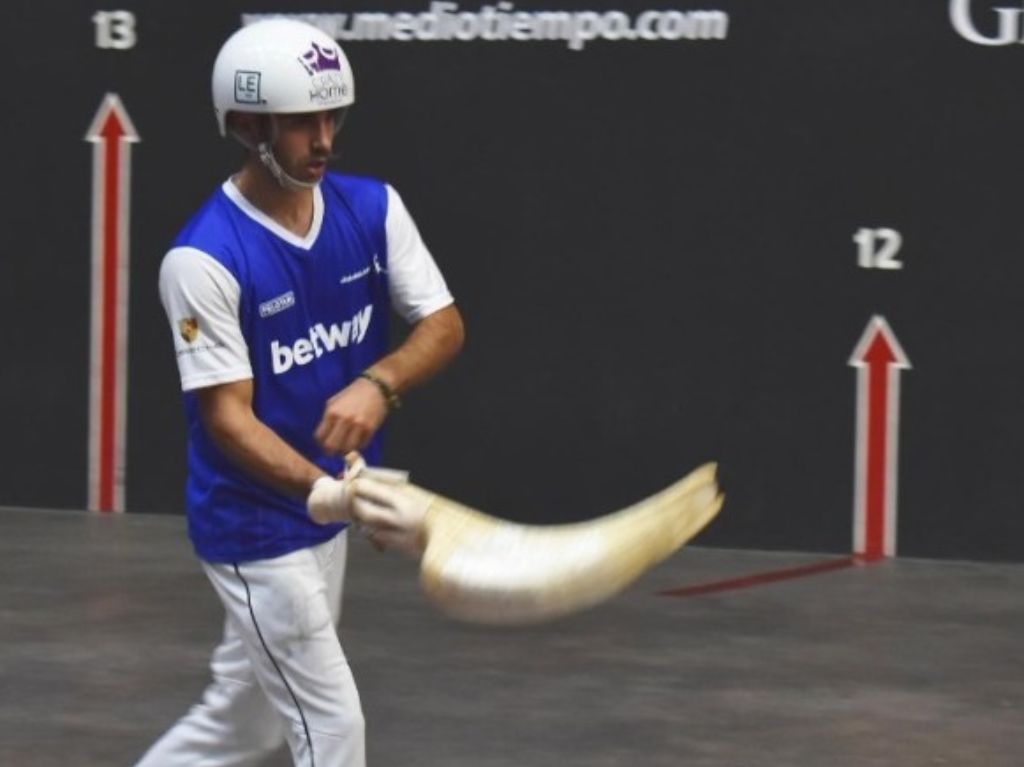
(330, 500)
(391, 516)
(351, 418)
(333, 500)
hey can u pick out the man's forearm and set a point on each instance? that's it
(251, 444)
(431, 345)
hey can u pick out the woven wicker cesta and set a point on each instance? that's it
(483, 569)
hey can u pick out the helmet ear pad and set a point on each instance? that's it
(249, 128)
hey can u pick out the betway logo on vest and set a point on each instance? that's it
(1006, 31)
(318, 341)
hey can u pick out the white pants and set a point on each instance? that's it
(278, 673)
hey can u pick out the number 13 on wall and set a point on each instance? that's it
(115, 30)
(878, 248)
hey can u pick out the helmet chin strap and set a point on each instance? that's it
(266, 155)
(265, 151)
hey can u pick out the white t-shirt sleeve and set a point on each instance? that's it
(417, 286)
(201, 299)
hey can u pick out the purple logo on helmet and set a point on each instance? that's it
(320, 59)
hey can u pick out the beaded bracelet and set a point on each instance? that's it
(394, 402)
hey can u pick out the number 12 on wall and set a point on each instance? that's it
(878, 248)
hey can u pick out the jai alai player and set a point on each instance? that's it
(278, 292)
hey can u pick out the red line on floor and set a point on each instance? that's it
(772, 576)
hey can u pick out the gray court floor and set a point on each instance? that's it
(106, 624)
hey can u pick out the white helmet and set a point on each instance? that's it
(280, 66)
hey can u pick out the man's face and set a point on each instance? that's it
(303, 142)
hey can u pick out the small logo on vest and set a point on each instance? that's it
(189, 329)
(354, 276)
(279, 304)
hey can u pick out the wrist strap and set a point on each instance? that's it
(393, 401)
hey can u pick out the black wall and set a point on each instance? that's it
(651, 243)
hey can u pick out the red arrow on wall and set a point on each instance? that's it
(112, 135)
(879, 359)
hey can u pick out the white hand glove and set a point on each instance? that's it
(391, 511)
(330, 500)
